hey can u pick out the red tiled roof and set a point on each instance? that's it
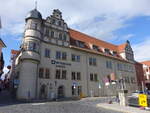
(76, 35)
(14, 52)
(122, 47)
(2, 44)
(146, 63)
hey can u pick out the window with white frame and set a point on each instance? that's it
(47, 53)
(92, 61)
(109, 64)
(75, 58)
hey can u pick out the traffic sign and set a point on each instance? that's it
(143, 100)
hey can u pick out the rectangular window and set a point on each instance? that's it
(64, 55)
(52, 34)
(91, 77)
(34, 46)
(58, 74)
(47, 73)
(34, 26)
(41, 73)
(109, 64)
(58, 55)
(47, 53)
(118, 66)
(73, 76)
(47, 32)
(92, 61)
(64, 73)
(95, 77)
(78, 76)
(64, 37)
(78, 58)
(75, 58)
(31, 46)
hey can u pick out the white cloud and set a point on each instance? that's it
(103, 27)
(142, 50)
(5, 71)
(78, 14)
(126, 37)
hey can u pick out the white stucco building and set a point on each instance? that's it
(56, 61)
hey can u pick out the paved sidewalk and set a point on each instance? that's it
(124, 109)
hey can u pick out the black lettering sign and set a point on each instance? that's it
(60, 63)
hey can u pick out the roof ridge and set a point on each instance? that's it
(93, 37)
(77, 35)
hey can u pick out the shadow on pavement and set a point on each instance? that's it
(7, 99)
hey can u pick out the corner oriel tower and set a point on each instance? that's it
(30, 56)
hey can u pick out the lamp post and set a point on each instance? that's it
(122, 92)
(99, 87)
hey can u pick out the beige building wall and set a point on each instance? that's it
(30, 61)
(89, 88)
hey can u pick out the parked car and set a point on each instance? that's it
(133, 100)
(136, 93)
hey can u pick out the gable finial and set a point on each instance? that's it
(35, 4)
(128, 41)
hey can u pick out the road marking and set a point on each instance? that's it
(36, 104)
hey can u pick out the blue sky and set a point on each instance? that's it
(114, 21)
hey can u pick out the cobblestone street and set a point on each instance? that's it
(53, 107)
(82, 106)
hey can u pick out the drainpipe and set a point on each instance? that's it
(36, 89)
(87, 75)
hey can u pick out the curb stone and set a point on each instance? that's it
(120, 109)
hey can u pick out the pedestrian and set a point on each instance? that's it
(117, 98)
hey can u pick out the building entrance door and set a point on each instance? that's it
(43, 92)
(61, 92)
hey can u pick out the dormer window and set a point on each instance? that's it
(95, 47)
(107, 51)
(80, 44)
(114, 53)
